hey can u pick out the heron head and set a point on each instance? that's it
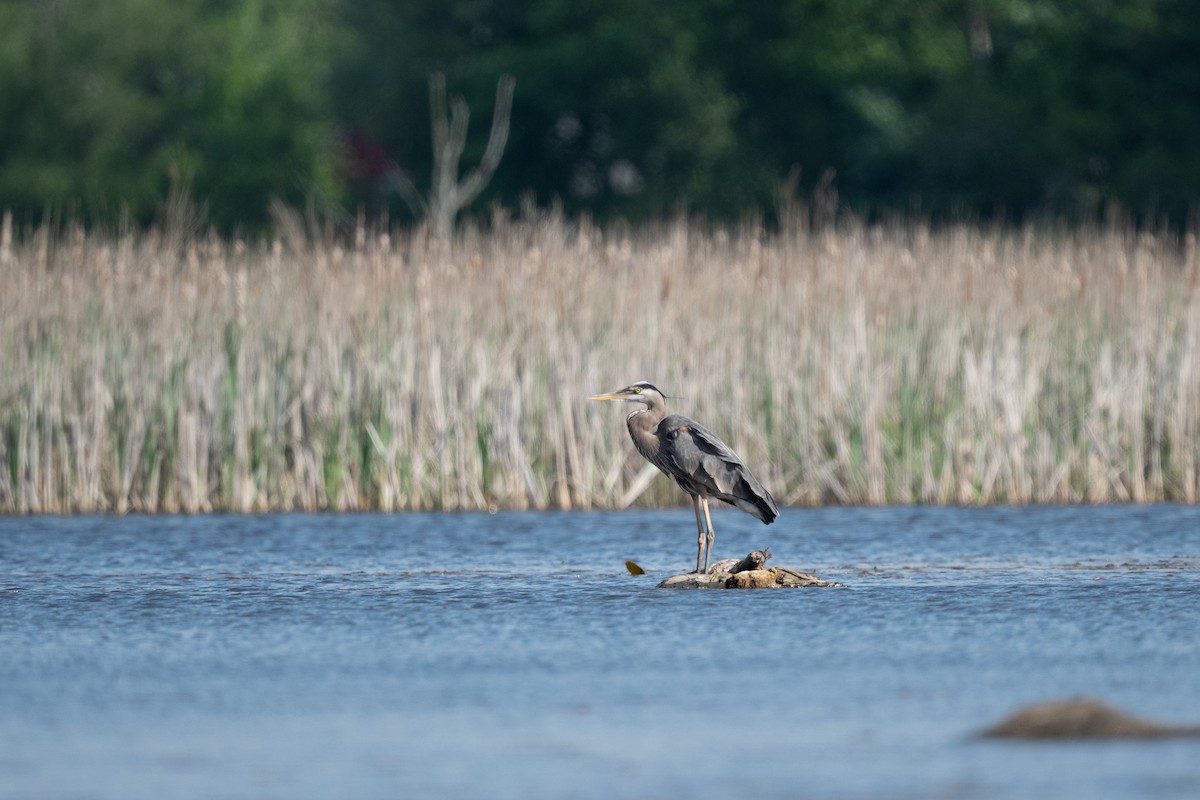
(640, 392)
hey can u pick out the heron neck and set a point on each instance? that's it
(644, 421)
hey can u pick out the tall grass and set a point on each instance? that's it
(168, 371)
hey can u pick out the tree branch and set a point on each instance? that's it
(478, 178)
(448, 195)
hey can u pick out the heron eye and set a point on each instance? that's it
(637, 390)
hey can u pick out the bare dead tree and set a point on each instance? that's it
(448, 194)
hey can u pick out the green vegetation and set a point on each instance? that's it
(1000, 109)
(108, 105)
(852, 363)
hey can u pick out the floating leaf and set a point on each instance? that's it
(634, 569)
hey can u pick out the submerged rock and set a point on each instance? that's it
(747, 573)
(1081, 718)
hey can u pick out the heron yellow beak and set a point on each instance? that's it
(610, 396)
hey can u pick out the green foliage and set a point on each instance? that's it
(993, 107)
(623, 108)
(109, 102)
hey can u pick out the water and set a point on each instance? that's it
(512, 656)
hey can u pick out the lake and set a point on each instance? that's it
(513, 656)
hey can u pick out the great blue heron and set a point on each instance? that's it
(696, 458)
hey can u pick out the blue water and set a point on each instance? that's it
(512, 656)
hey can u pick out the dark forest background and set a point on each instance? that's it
(623, 108)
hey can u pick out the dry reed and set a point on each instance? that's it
(849, 364)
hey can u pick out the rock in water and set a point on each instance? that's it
(751, 579)
(1081, 718)
(747, 573)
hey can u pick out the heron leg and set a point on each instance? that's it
(711, 534)
(700, 531)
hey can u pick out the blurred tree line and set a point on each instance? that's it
(622, 107)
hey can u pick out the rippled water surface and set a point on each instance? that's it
(512, 655)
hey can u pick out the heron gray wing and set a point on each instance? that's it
(711, 465)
